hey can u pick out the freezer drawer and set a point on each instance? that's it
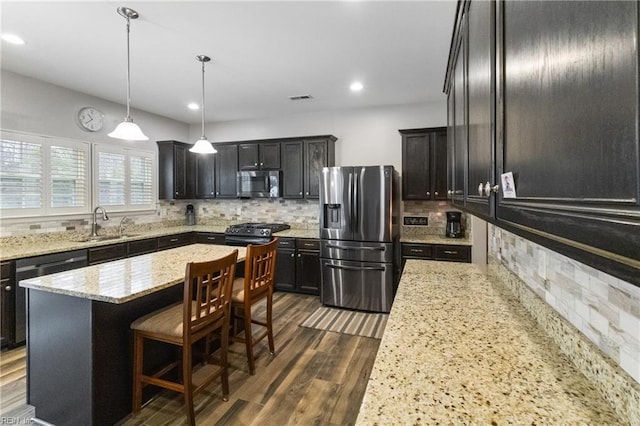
(357, 251)
(357, 285)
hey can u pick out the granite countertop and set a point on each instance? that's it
(36, 245)
(123, 280)
(434, 239)
(460, 349)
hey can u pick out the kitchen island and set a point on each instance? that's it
(458, 348)
(79, 358)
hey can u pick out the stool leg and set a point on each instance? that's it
(224, 352)
(248, 339)
(272, 350)
(187, 387)
(138, 346)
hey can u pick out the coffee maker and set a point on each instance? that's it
(191, 215)
(454, 225)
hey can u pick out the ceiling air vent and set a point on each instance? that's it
(300, 97)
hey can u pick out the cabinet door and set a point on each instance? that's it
(308, 271)
(183, 172)
(108, 253)
(439, 165)
(285, 270)
(316, 157)
(481, 86)
(460, 124)
(248, 156)
(226, 169)
(416, 161)
(138, 247)
(210, 238)
(270, 156)
(7, 305)
(205, 176)
(570, 124)
(292, 169)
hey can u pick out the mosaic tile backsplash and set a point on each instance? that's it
(605, 309)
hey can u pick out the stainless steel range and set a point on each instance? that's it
(252, 233)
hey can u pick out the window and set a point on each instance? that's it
(124, 178)
(42, 175)
(46, 176)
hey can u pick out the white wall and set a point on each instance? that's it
(34, 106)
(367, 136)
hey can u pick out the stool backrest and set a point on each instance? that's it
(260, 268)
(207, 292)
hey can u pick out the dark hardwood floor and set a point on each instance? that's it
(316, 377)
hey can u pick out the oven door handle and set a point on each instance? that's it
(357, 268)
(355, 248)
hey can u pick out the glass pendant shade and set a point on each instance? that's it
(203, 146)
(128, 130)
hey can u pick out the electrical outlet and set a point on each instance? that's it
(542, 264)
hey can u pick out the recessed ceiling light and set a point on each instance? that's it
(193, 106)
(356, 86)
(13, 39)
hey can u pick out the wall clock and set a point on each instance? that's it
(90, 119)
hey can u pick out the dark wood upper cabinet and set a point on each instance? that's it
(480, 106)
(302, 163)
(556, 105)
(205, 183)
(292, 169)
(176, 165)
(424, 164)
(259, 156)
(226, 168)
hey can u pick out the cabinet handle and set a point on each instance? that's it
(436, 193)
(176, 192)
(173, 240)
(300, 193)
(307, 192)
(450, 252)
(293, 255)
(428, 194)
(261, 164)
(211, 238)
(416, 251)
(211, 192)
(8, 288)
(298, 255)
(481, 189)
(218, 193)
(255, 164)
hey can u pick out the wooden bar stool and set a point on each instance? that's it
(257, 284)
(205, 310)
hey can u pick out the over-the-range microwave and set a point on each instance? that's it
(259, 184)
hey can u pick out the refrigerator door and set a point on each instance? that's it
(357, 285)
(372, 195)
(336, 203)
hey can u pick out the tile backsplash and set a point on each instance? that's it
(604, 308)
(437, 219)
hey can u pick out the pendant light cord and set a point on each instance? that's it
(203, 136)
(128, 72)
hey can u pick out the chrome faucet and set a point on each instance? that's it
(94, 225)
(121, 228)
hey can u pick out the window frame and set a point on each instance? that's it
(46, 143)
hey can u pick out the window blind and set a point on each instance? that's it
(68, 177)
(111, 179)
(141, 179)
(21, 171)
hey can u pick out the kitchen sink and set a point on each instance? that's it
(104, 238)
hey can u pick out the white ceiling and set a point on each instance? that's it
(262, 52)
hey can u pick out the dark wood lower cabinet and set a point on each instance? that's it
(107, 253)
(445, 252)
(298, 266)
(210, 238)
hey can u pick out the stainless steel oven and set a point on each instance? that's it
(244, 234)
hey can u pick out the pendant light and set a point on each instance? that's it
(203, 146)
(128, 130)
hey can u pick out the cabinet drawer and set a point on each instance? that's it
(142, 246)
(286, 243)
(210, 238)
(103, 254)
(307, 244)
(454, 253)
(422, 251)
(178, 240)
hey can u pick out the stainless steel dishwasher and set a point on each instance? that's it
(38, 266)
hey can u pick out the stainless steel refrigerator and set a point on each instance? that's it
(359, 232)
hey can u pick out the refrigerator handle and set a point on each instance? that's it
(356, 205)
